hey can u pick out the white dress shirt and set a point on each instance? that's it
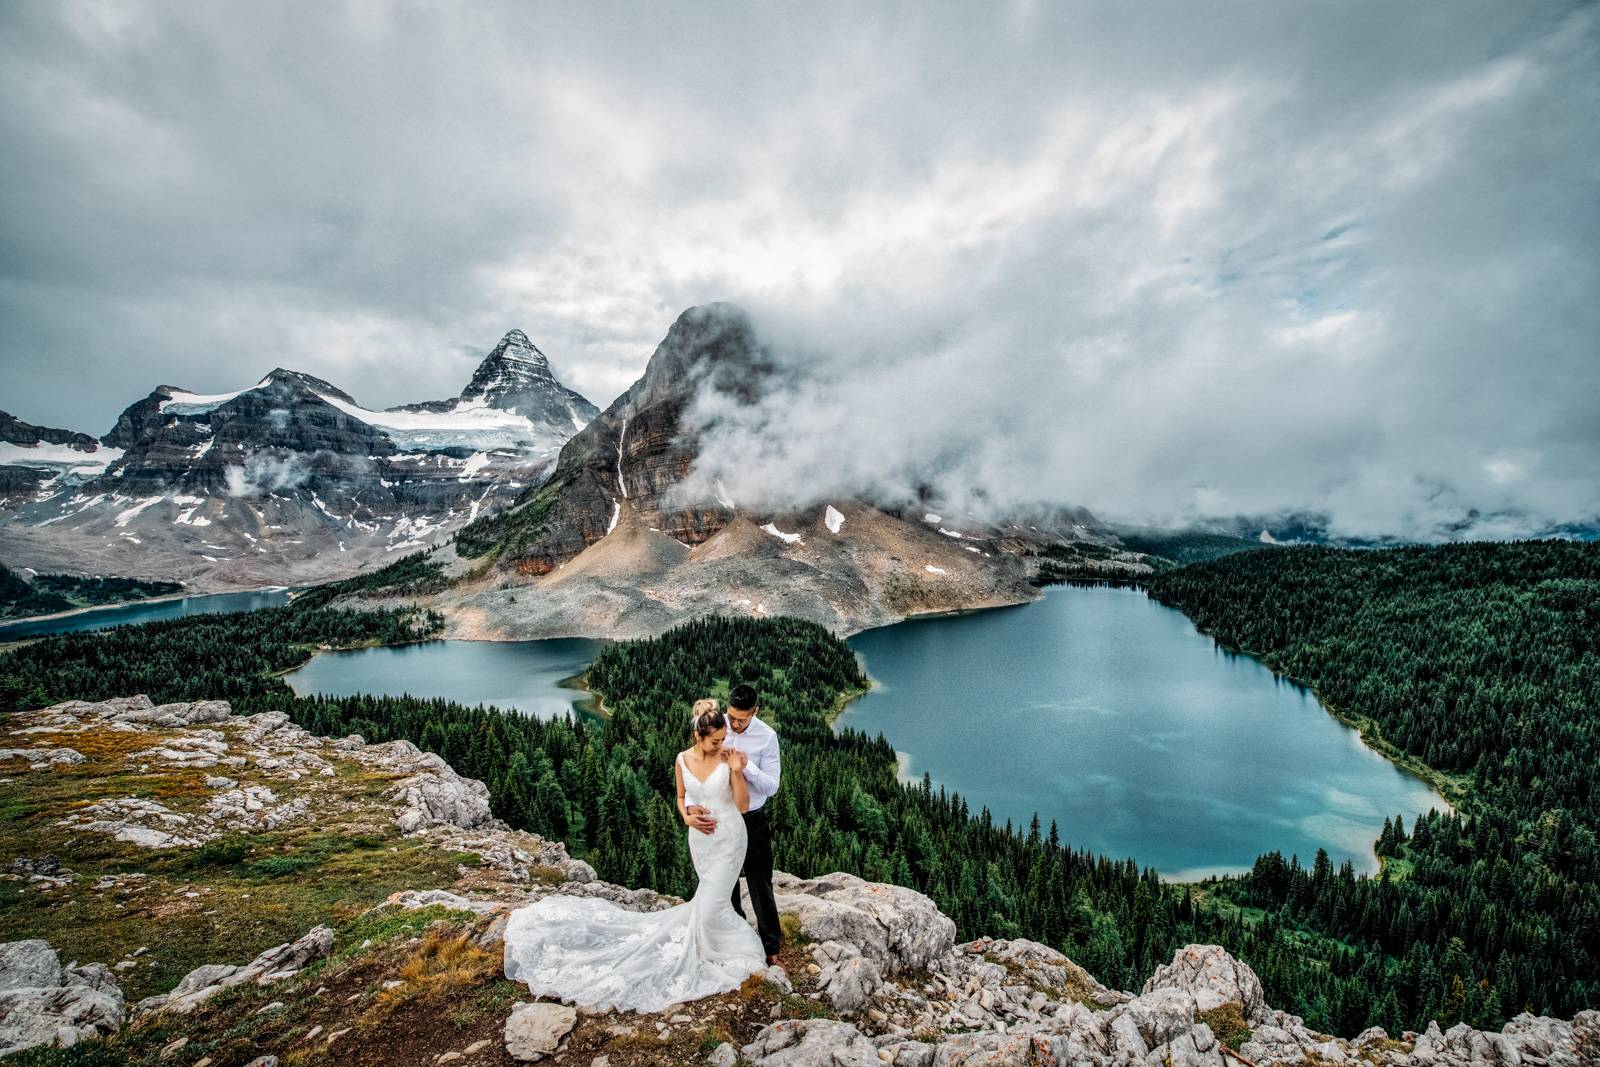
(759, 743)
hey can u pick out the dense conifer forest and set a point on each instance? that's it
(50, 593)
(1481, 662)
(1474, 917)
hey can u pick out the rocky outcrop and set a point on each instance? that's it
(1215, 978)
(40, 758)
(812, 1043)
(125, 713)
(273, 965)
(44, 1003)
(431, 795)
(898, 927)
(435, 795)
(1019, 1003)
(881, 958)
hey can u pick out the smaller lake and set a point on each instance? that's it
(145, 611)
(524, 675)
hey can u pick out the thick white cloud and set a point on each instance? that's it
(1157, 260)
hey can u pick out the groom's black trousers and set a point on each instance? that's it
(758, 875)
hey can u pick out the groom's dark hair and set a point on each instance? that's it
(742, 697)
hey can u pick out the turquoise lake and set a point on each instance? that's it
(1096, 707)
(1109, 713)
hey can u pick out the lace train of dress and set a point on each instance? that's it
(592, 953)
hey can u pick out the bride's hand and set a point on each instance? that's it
(735, 759)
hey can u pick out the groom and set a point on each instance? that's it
(759, 742)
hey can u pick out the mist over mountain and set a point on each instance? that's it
(1170, 264)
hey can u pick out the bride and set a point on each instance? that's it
(595, 954)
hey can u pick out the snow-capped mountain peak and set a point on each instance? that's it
(515, 377)
(516, 366)
(286, 478)
(515, 347)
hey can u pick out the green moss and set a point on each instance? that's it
(381, 925)
(280, 866)
(793, 933)
(1228, 1023)
(493, 1000)
(797, 1007)
(223, 852)
(83, 1054)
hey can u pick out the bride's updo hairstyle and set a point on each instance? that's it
(708, 717)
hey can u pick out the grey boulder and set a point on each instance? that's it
(44, 1003)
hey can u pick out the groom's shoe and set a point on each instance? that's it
(772, 961)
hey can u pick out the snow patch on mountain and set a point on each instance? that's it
(79, 464)
(833, 518)
(475, 463)
(476, 427)
(788, 538)
(182, 402)
(127, 516)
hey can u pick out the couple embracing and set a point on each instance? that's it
(595, 954)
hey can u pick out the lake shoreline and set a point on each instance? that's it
(164, 598)
(1451, 789)
(1098, 805)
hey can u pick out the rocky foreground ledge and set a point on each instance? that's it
(164, 821)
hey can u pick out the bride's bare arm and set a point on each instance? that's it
(677, 779)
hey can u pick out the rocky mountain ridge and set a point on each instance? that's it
(287, 481)
(622, 540)
(872, 972)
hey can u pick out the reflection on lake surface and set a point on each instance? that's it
(1109, 713)
(524, 675)
(146, 611)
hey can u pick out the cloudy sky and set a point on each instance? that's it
(1161, 263)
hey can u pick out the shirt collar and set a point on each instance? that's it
(757, 730)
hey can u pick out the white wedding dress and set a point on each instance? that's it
(594, 954)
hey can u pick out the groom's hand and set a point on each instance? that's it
(699, 819)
